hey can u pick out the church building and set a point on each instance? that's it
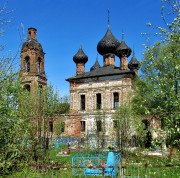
(95, 95)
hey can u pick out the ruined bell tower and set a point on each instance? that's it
(32, 63)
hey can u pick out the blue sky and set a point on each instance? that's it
(63, 25)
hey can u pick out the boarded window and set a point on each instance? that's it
(98, 101)
(116, 100)
(99, 126)
(83, 126)
(83, 102)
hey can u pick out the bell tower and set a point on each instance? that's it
(32, 63)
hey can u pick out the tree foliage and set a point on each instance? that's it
(23, 118)
(128, 126)
(14, 127)
(157, 90)
(13, 132)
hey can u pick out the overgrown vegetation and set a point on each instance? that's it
(129, 127)
(157, 89)
(137, 164)
(24, 120)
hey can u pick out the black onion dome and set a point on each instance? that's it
(80, 56)
(95, 66)
(123, 50)
(108, 43)
(32, 44)
(133, 63)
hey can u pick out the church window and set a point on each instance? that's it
(62, 127)
(98, 100)
(40, 87)
(116, 100)
(83, 102)
(83, 126)
(99, 125)
(39, 65)
(40, 90)
(50, 126)
(115, 124)
(27, 64)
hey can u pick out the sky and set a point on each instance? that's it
(64, 25)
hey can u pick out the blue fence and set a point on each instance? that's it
(96, 164)
(58, 142)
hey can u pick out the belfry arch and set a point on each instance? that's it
(27, 87)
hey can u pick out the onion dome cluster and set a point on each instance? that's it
(109, 44)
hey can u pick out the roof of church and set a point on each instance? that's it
(96, 65)
(123, 49)
(80, 56)
(32, 44)
(108, 44)
(105, 71)
(133, 63)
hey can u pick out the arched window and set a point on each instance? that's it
(27, 64)
(39, 65)
(40, 87)
(83, 102)
(83, 126)
(40, 91)
(62, 127)
(99, 125)
(116, 100)
(27, 88)
(98, 101)
(51, 126)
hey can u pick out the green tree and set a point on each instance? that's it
(14, 126)
(128, 125)
(24, 119)
(157, 89)
(63, 105)
(100, 122)
(42, 109)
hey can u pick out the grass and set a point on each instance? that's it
(137, 164)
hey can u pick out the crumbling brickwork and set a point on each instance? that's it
(95, 95)
(32, 63)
